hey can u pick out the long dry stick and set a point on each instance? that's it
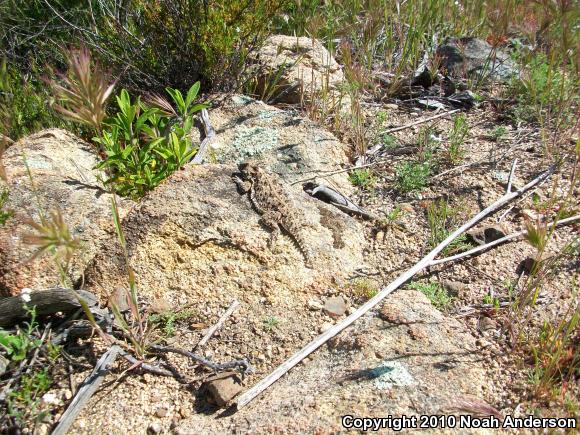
(499, 242)
(86, 390)
(219, 323)
(249, 395)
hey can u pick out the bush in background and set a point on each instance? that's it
(150, 45)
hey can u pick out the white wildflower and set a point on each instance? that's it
(25, 294)
(50, 399)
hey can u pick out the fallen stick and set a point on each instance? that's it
(257, 389)
(209, 134)
(86, 390)
(499, 242)
(218, 325)
(14, 308)
(214, 366)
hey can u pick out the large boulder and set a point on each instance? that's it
(298, 70)
(281, 141)
(61, 180)
(465, 57)
(196, 239)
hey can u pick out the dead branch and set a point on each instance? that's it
(281, 370)
(504, 239)
(86, 390)
(13, 309)
(209, 134)
(215, 367)
(219, 324)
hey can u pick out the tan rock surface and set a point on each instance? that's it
(63, 179)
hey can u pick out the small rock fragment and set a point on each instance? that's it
(487, 234)
(335, 306)
(3, 365)
(487, 324)
(314, 305)
(154, 428)
(454, 288)
(161, 412)
(223, 387)
(326, 326)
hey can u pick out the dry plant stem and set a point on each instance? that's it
(37, 350)
(249, 395)
(219, 323)
(499, 242)
(86, 390)
(146, 367)
(215, 367)
(413, 124)
(209, 134)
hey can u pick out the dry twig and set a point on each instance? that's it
(219, 324)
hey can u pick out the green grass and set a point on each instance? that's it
(439, 217)
(4, 214)
(166, 321)
(457, 136)
(412, 176)
(23, 104)
(362, 178)
(270, 323)
(436, 294)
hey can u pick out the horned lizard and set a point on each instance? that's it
(271, 201)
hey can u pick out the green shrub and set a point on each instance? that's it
(23, 104)
(434, 292)
(362, 178)
(149, 44)
(4, 214)
(412, 176)
(145, 144)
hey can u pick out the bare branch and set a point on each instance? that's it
(219, 323)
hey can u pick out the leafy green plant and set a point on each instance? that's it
(457, 136)
(362, 178)
(18, 345)
(439, 217)
(363, 288)
(412, 176)
(145, 144)
(4, 214)
(498, 133)
(271, 323)
(434, 292)
(389, 141)
(24, 402)
(166, 321)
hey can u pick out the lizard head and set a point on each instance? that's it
(248, 170)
